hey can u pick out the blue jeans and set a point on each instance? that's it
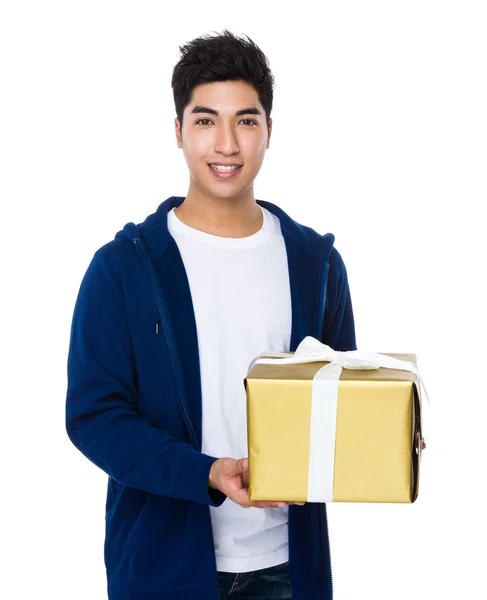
(265, 584)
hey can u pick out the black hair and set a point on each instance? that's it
(224, 57)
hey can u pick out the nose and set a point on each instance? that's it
(226, 140)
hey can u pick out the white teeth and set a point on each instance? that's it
(223, 169)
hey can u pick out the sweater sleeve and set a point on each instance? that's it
(339, 325)
(102, 420)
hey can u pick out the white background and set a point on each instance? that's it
(379, 136)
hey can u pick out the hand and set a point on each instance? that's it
(231, 477)
(423, 444)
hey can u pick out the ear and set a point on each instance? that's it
(177, 127)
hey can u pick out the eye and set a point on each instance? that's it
(199, 121)
(250, 120)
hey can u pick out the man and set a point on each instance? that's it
(168, 318)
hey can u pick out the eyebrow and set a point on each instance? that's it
(245, 111)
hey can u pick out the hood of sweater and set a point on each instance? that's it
(153, 233)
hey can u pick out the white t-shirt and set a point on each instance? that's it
(242, 304)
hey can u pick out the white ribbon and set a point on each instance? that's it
(324, 403)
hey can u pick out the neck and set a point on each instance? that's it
(225, 217)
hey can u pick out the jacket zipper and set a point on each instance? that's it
(181, 400)
(323, 508)
(214, 555)
(193, 434)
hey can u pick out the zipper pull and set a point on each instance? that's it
(157, 327)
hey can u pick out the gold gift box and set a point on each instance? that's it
(378, 433)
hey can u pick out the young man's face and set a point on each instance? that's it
(223, 138)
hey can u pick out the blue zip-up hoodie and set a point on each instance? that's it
(133, 407)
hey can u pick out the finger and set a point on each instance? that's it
(268, 504)
(241, 496)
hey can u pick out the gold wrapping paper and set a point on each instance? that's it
(378, 433)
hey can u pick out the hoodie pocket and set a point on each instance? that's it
(144, 514)
(172, 554)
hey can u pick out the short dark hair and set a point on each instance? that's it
(224, 57)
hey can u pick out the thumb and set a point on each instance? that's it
(242, 465)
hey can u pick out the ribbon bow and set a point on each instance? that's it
(312, 350)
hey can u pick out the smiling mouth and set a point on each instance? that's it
(224, 174)
(224, 168)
